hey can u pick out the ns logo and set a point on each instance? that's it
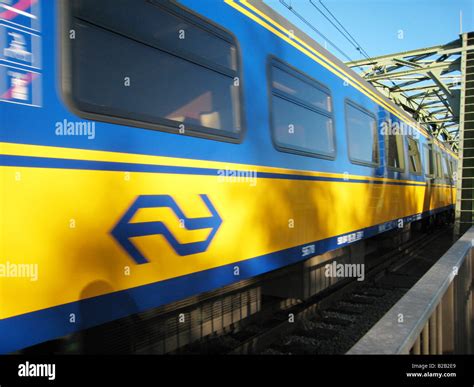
(124, 230)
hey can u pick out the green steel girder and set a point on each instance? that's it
(425, 82)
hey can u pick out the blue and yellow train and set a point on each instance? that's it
(154, 150)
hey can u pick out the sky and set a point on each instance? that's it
(383, 26)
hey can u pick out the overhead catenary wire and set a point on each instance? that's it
(339, 26)
(310, 25)
(349, 36)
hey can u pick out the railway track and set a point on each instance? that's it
(333, 320)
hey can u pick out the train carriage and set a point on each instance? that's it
(155, 150)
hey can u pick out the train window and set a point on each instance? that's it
(394, 153)
(439, 168)
(446, 167)
(299, 89)
(414, 155)
(301, 113)
(429, 161)
(453, 168)
(163, 68)
(361, 135)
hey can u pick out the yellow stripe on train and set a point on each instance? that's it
(61, 219)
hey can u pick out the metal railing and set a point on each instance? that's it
(433, 317)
